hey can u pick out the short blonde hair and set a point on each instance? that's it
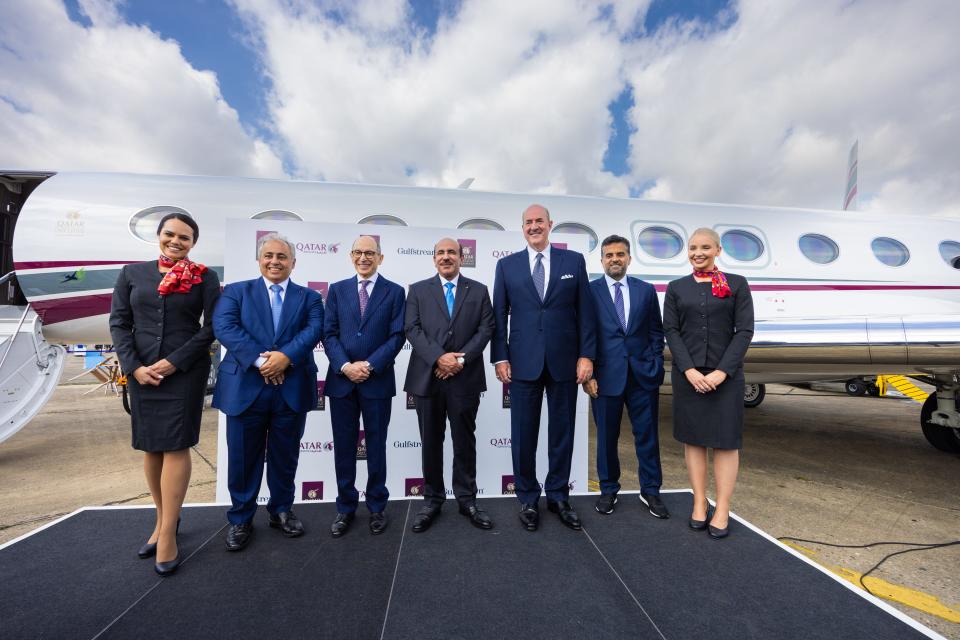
(706, 231)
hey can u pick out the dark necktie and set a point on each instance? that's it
(538, 275)
(618, 303)
(449, 297)
(364, 297)
(276, 305)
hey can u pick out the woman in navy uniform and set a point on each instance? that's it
(155, 322)
(708, 323)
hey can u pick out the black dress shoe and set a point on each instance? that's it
(167, 568)
(567, 515)
(530, 516)
(149, 549)
(700, 525)
(717, 533)
(478, 517)
(238, 536)
(288, 523)
(340, 524)
(605, 503)
(378, 523)
(424, 518)
(655, 505)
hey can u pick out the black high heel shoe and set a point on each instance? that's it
(700, 525)
(149, 549)
(167, 568)
(717, 533)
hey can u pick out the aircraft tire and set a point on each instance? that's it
(942, 438)
(855, 387)
(753, 395)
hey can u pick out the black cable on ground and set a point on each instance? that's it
(922, 546)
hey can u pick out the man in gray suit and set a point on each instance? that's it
(449, 321)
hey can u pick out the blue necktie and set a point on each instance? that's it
(276, 304)
(449, 297)
(618, 303)
(538, 275)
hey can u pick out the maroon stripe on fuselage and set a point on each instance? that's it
(842, 287)
(66, 309)
(50, 264)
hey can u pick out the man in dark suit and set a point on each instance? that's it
(449, 321)
(629, 369)
(362, 335)
(544, 293)
(266, 384)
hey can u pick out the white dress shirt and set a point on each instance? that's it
(532, 255)
(283, 296)
(625, 290)
(373, 283)
(443, 284)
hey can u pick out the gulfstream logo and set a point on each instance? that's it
(413, 251)
(406, 444)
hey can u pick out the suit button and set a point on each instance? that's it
(449, 333)
(704, 339)
(158, 338)
(359, 334)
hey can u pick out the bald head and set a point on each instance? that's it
(536, 225)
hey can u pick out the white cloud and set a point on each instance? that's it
(512, 93)
(112, 96)
(766, 111)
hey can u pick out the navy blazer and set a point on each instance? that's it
(639, 349)
(243, 324)
(376, 338)
(557, 330)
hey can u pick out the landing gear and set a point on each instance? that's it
(856, 387)
(753, 395)
(940, 419)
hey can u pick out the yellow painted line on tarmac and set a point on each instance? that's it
(882, 589)
(593, 485)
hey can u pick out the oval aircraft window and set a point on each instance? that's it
(950, 252)
(276, 214)
(143, 224)
(890, 252)
(818, 248)
(741, 245)
(384, 219)
(660, 242)
(480, 223)
(579, 229)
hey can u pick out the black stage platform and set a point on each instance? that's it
(624, 576)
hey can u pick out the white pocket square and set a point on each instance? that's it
(565, 276)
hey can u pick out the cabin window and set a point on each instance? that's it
(890, 252)
(277, 214)
(143, 224)
(950, 252)
(660, 242)
(741, 245)
(480, 223)
(576, 228)
(818, 248)
(383, 219)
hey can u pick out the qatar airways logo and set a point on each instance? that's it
(316, 446)
(319, 248)
(413, 487)
(501, 253)
(506, 395)
(500, 443)
(468, 252)
(312, 491)
(558, 245)
(321, 399)
(320, 287)
(362, 445)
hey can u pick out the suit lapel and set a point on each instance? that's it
(437, 293)
(461, 293)
(556, 263)
(636, 302)
(379, 293)
(527, 279)
(353, 297)
(261, 303)
(291, 302)
(607, 302)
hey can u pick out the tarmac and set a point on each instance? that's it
(817, 465)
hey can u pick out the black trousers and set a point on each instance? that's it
(432, 414)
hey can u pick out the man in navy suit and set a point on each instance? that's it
(544, 293)
(629, 370)
(362, 335)
(266, 384)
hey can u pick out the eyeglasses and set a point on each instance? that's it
(369, 255)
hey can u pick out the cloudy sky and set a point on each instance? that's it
(745, 101)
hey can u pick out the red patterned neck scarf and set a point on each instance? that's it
(182, 276)
(719, 286)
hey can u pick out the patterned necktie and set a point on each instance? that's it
(364, 297)
(618, 303)
(538, 275)
(449, 297)
(276, 305)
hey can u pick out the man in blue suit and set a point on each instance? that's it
(544, 293)
(629, 370)
(362, 335)
(266, 384)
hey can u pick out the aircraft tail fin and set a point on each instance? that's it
(850, 197)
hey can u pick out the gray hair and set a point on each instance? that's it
(273, 235)
(375, 239)
(545, 210)
(706, 231)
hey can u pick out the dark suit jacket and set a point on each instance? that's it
(377, 338)
(146, 326)
(432, 333)
(638, 350)
(557, 330)
(243, 324)
(704, 331)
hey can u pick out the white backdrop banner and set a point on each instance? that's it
(323, 257)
